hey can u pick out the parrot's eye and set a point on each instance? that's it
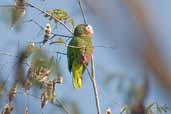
(89, 29)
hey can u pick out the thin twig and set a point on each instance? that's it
(56, 19)
(26, 93)
(41, 27)
(60, 35)
(6, 5)
(95, 86)
(61, 53)
(12, 55)
(82, 11)
(101, 46)
(93, 80)
(15, 6)
(63, 106)
(7, 53)
(92, 75)
(55, 104)
(78, 47)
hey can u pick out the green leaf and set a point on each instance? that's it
(150, 106)
(59, 41)
(75, 108)
(149, 111)
(2, 85)
(159, 109)
(164, 108)
(127, 111)
(43, 67)
(124, 109)
(17, 15)
(59, 14)
(72, 22)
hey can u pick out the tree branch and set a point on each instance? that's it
(82, 11)
(60, 22)
(58, 102)
(62, 106)
(79, 47)
(95, 86)
(6, 5)
(2, 52)
(41, 27)
(93, 80)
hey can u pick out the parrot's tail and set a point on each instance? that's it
(77, 70)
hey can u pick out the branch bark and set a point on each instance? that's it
(58, 103)
(93, 79)
(92, 76)
(60, 22)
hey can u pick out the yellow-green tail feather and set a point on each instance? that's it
(77, 75)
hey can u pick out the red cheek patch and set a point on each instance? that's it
(85, 59)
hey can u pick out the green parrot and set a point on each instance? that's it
(79, 52)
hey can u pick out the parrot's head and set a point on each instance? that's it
(83, 30)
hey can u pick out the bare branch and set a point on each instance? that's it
(6, 5)
(11, 55)
(61, 53)
(101, 46)
(93, 80)
(60, 22)
(62, 105)
(41, 27)
(82, 11)
(97, 46)
(58, 102)
(95, 86)
(7, 53)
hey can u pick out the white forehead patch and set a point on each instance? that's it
(91, 29)
(48, 25)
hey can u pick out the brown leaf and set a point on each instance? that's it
(12, 92)
(152, 57)
(8, 108)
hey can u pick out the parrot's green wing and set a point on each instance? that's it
(74, 61)
(71, 54)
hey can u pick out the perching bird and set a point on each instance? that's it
(79, 52)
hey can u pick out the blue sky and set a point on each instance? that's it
(120, 61)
